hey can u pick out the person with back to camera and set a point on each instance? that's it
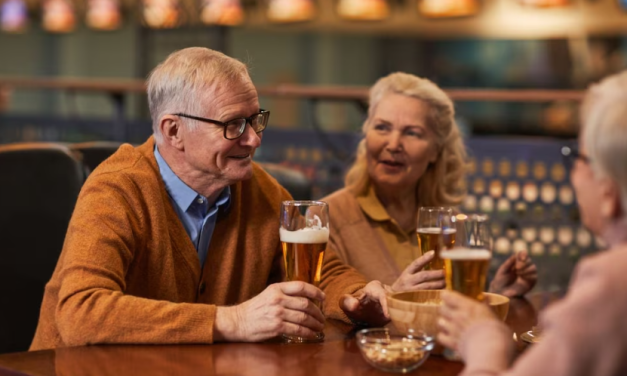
(412, 156)
(586, 332)
(177, 240)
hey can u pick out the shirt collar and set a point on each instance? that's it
(371, 205)
(224, 198)
(180, 192)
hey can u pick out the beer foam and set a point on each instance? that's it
(314, 223)
(466, 254)
(305, 235)
(436, 230)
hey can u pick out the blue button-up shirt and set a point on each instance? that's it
(198, 218)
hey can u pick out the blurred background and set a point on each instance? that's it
(73, 71)
(513, 44)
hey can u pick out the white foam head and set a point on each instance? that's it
(436, 230)
(305, 235)
(466, 254)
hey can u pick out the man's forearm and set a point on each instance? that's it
(107, 317)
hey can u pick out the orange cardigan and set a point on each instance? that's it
(129, 273)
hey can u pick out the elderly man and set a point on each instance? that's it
(177, 241)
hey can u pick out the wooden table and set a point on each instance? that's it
(337, 355)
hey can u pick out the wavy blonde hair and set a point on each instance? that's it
(443, 184)
(604, 121)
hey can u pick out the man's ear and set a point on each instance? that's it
(172, 131)
(610, 199)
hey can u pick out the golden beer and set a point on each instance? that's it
(303, 253)
(303, 261)
(467, 270)
(429, 240)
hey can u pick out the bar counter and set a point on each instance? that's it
(337, 355)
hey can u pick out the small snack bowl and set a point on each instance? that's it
(391, 352)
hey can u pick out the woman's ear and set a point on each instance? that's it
(610, 204)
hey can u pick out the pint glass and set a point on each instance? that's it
(468, 259)
(430, 234)
(304, 235)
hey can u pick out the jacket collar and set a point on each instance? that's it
(371, 205)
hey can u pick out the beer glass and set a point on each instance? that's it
(430, 234)
(467, 260)
(304, 235)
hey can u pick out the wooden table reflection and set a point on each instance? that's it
(338, 354)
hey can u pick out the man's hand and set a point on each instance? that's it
(457, 314)
(282, 308)
(368, 305)
(414, 278)
(516, 276)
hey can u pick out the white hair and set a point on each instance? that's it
(180, 82)
(604, 121)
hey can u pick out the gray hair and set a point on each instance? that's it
(443, 184)
(178, 84)
(604, 121)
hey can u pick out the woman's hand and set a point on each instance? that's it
(368, 305)
(457, 314)
(516, 276)
(414, 278)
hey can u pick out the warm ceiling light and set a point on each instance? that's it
(545, 3)
(290, 10)
(162, 14)
(58, 16)
(13, 16)
(103, 14)
(221, 12)
(368, 10)
(447, 8)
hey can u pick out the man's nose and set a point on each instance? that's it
(250, 137)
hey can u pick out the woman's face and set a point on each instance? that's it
(587, 191)
(399, 145)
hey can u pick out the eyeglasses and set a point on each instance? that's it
(233, 129)
(571, 154)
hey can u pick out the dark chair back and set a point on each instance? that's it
(296, 183)
(40, 185)
(94, 153)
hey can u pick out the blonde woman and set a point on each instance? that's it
(412, 155)
(586, 332)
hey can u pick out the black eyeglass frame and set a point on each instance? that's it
(571, 154)
(248, 120)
